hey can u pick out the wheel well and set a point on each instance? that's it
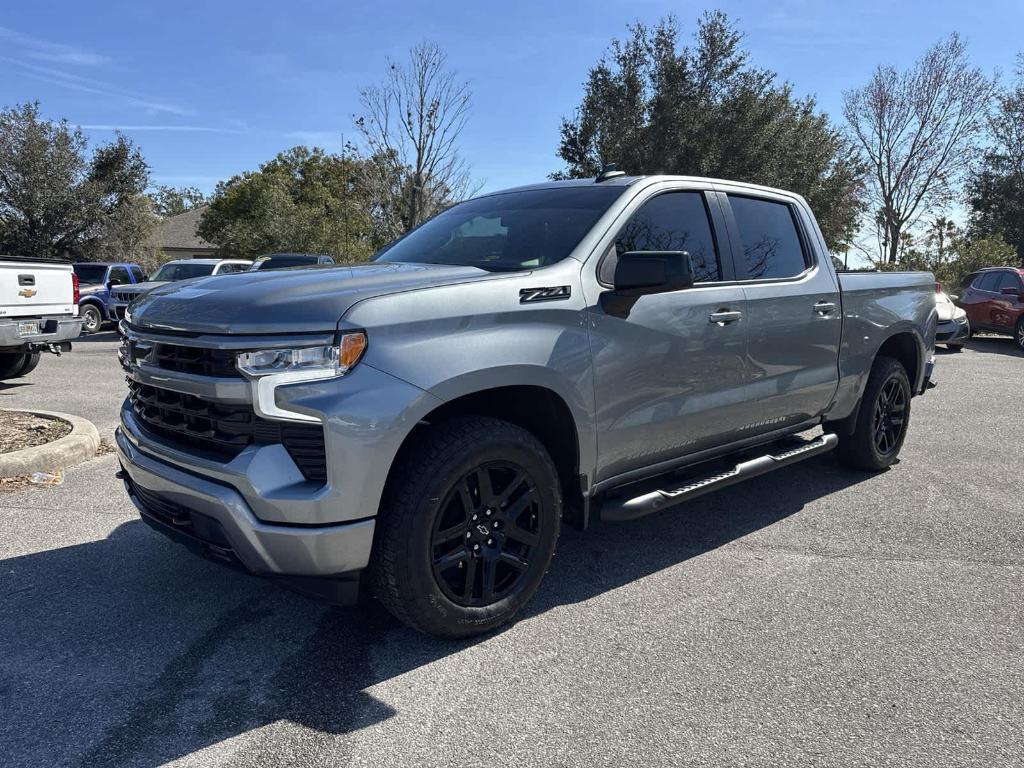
(538, 410)
(903, 347)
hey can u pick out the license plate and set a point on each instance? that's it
(28, 327)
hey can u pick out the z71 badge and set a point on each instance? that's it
(552, 293)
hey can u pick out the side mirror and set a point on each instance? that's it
(110, 284)
(954, 298)
(1010, 291)
(641, 272)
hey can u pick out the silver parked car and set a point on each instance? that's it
(953, 329)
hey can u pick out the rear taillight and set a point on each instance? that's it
(938, 287)
(77, 294)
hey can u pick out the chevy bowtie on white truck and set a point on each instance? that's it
(605, 347)
(38, 311)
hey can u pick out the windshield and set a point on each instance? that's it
(507, 232)
(182, 271)
(283, 262)
(90, 274)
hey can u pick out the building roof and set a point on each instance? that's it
(180, 231)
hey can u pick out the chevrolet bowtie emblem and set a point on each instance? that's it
(28, 293)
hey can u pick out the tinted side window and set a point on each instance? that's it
(118, 276)
(769, 237)
(987, 281)
(137, 274)
(674, 221)
(1008, 280)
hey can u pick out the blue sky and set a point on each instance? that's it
(210, 89)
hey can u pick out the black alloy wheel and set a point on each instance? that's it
(889, 416)
(485, 534)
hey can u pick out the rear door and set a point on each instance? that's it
(30, 289)
(668, 379)
(793, 310)
(1005, 308)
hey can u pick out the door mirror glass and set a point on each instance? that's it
(642, 272)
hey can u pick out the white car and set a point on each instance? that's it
(953, 329)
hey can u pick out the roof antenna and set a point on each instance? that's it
(609, 171)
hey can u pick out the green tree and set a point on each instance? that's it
(304, 200)
(996, 191)
(651, 106)
(170, 201)
(56, 202)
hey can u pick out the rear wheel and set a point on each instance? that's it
(1018, 334)
(882, 420)
(466, 534)
(11, 364)
(31, 361)
(91, 318)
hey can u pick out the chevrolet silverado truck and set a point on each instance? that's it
(38, 311)
(418, 428)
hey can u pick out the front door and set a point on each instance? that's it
(668, 376)
(793, 309)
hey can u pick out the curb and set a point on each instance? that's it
(78, 446)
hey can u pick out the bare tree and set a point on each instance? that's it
(918, 130)
(411, 126)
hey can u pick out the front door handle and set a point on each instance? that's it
(825, 308)
(724, 317)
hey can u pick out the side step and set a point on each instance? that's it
(653, 501)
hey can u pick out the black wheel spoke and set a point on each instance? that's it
(517, 562)
(470, 580)
(523, 536)
(450, 560)
(487, 588)
(450, 533)
(486, 490)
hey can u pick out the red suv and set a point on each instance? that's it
(994, 301)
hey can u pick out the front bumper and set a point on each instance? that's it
(53, 330)
(952, 332)
(215, 520)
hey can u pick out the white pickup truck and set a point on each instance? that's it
(38, 311)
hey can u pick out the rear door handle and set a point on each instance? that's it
(724, 317)
(825, 308)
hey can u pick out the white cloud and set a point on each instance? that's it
(46, 50)
(97, 87)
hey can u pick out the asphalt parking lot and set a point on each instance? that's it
(814, 616)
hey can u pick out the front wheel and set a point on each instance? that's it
(468, 528)
(882, 420)
(91, 318)
(1018, 334)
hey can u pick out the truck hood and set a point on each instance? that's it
(135, 288)
(286, 301)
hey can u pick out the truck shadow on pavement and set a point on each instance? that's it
(143, 654)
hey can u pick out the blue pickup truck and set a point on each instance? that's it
(96, 278)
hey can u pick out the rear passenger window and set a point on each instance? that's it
(1009, 280)
(674, 221)
(769, 238)
(137, 274)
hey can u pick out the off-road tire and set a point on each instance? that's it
(11, 364)
(859, 449)
(402, 566)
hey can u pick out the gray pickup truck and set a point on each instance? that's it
(425, 423)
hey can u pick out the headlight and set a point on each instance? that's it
(334, 360)
(267, 369)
